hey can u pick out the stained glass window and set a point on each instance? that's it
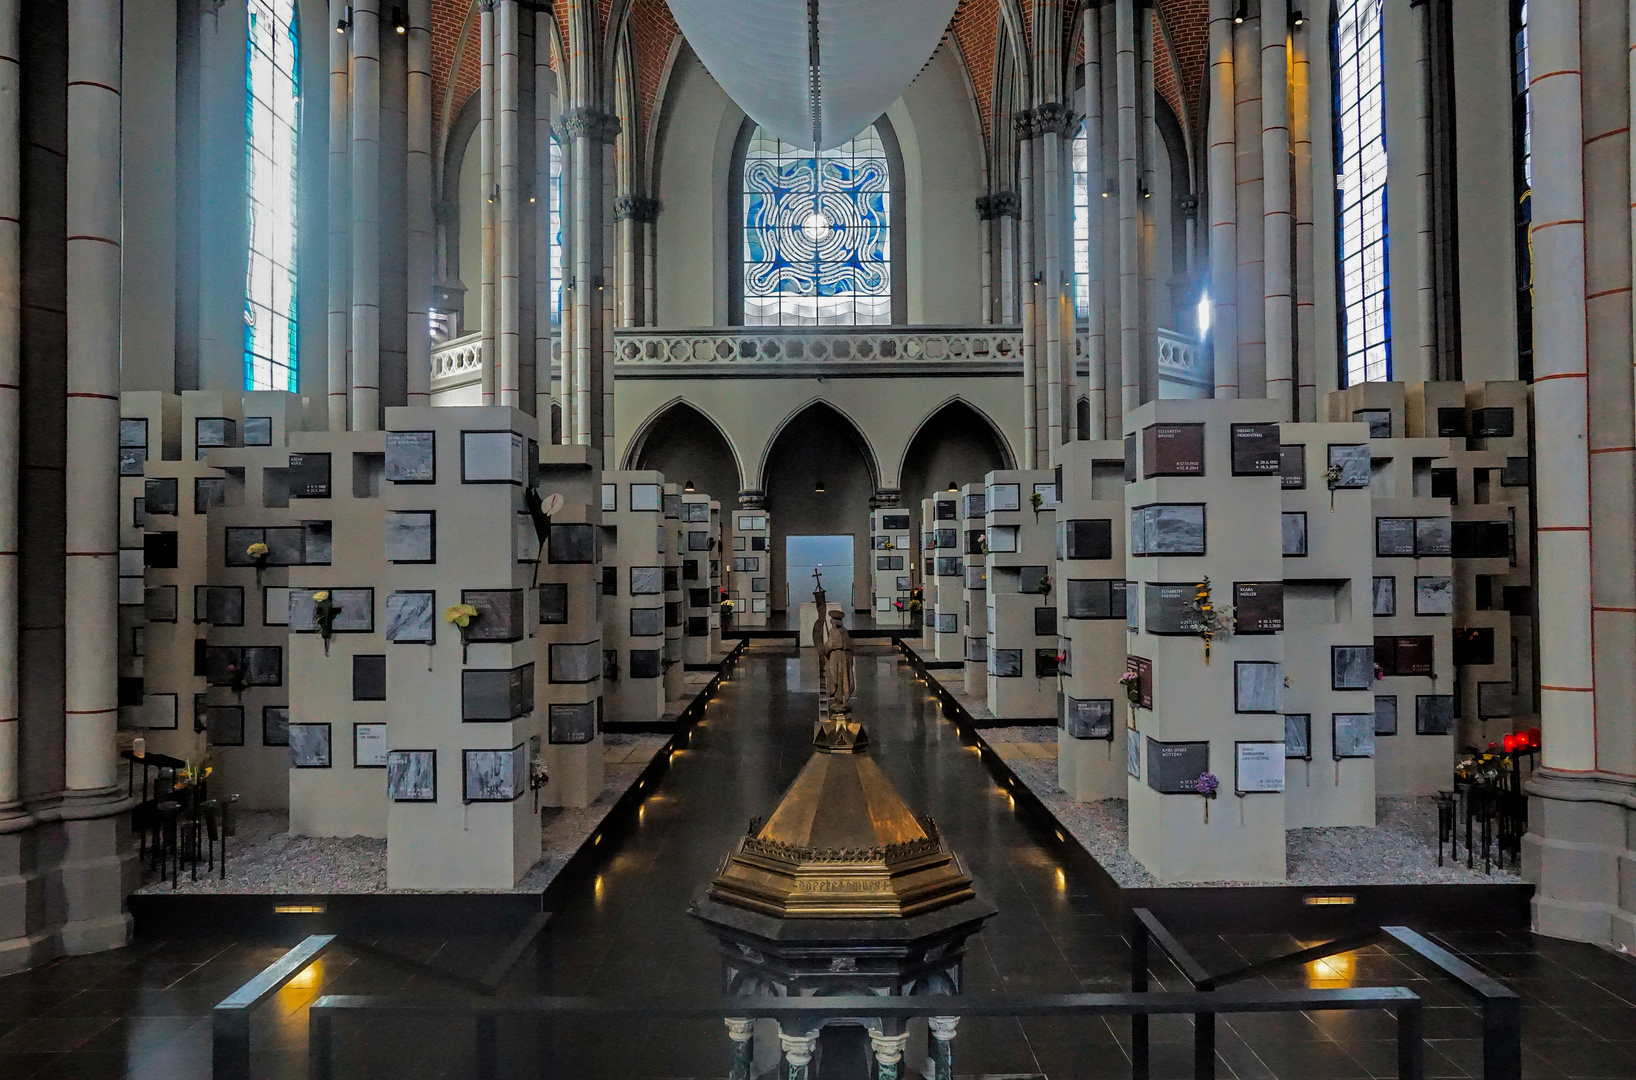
(817, 232)
(556, 230)
(1082, 223)
(1522, 149)
(1360, 153)
(272, 97)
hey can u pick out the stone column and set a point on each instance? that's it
(1250, 298)
(1277, 286)
(544, 303)
(1096, 385)
(1306, 324)
(418, 193)
(485, 154)
(888, 1053)
(340, 184)
(11, 381)
(1425, 244)
(510, 234)
(606, 292)
(985, 289)
(568, 393)
(1008, 211)
(940, 1045)
(366, 216)
(741, 1063)
(1053, 118)
(798, 1050)
(650, 268)
(1029, 285)
(1130, 300)
(1222, 155)
(591, 131)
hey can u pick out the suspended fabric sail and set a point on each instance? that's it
(813, 72)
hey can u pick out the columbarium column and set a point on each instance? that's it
(510, 234)
(1222, 158)
(11, 379)
(1277, 286)
(418, 193)
(340, 183)
(366, 216)
(1096, 385)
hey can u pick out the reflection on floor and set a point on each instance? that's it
(142, 1011)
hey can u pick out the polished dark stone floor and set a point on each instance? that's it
(142, 1012)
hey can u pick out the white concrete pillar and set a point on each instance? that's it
(11, 380)
(418, 193)
(1223, 210)
(510, 234)
(91, 481)
(485, 151)
(340, 224)
(1277, 288)
(544, 302)
(1567, 684)
(366, 216)
(1096, 386)
(1306, 324)
(1130, 301)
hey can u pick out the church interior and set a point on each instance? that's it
(814, 450)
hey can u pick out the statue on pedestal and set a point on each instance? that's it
(835, 658)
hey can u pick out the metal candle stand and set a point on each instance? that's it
(176, 825)
(1495, 815)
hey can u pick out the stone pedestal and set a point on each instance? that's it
(1577, 853)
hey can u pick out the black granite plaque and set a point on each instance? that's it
(159, 603)
(275, 725)
(575, 662)
(1256, 450)
(225, 724)
(224, 665)
(1473, 645)
(308, 476)
(1088, 718)
(1494, 700)
(1379, 421)
(572, 723)
(1046, 665)
(369, 678)
(1130, 458)
(1480, 540)
(975, 507)
(571, 543)
(554, 604)
(1259, 606)
(1171, 609)
(885, 562)
(1434, 714)
(1092, 598)
(159, 550)
(1173, 450)
(947, 566)
(1031, 579)
(1144, 678)
(209, 491)
(1045, 622)
(1517, 472)
(263, 665)
(1451, 423)
(499, 614)
(944, 510)
(1173, 768)
(1292, 466)
(492, 693)
(1088, 538)
(159, 495)
(224, 605)
(945, 539)
(645, 663)
(894, 521)
(673, 506)
(1493, 423)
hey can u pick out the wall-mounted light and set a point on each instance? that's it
(818, 488)
(952, 486)
(344, 23)
(398, 22)
(1038, 278)
(1238, 13)
(687, 488)
(1141, 189)
(1298, 18)
(1111, 190)
(494, 193)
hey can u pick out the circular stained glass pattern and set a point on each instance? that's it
(816, 225)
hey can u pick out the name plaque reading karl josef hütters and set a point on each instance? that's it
(1173, 768)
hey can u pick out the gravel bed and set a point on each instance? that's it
(1400, 850)
(265, 858)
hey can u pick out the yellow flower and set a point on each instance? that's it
(256, 550)
(320, 596)
(460, 614)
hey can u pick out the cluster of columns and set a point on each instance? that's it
(380, 93)
(886, 1046)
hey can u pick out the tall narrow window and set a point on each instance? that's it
(556, 230)
(817, 232)
(1522, 149)
(272, 96)
(1082, 223)
(1360, 159)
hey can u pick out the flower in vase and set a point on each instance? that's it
(1208, 784)
(258, 553)
(324, 611)
(461, 616)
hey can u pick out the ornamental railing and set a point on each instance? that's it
(779, 350)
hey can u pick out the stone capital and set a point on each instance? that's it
(1051, 118)
(638, 208)
(752, 499)
(590, 124)
(739, 1029)
(798, 1048)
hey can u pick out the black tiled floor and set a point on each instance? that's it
(143, 1011)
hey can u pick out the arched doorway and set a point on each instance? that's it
(685, 445)
(819, 447)
(956, 443)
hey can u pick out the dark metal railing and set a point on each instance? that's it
(230, 1019)
(1501, 1007)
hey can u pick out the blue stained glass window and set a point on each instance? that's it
(1082, 223)
(817, 233)
(556, 230)
(272, 97)
(1360, 159)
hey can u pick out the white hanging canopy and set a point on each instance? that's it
(762, 54)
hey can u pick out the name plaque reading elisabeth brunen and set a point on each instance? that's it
(1173, 450)
(1173, 768)
(1256, 450)
(1171, 610)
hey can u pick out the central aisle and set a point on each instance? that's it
(626, 933)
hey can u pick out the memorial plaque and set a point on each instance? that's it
(1432, 537)
(572, 723)
(698, 626)
(1451, 423)
(1090, 538)
(369, 677)
(1379, 421)
(1353, 461)
(1413, 655)
(974, 542)
(1298, 735)
(1351, 667)
(1394, 537)
(490, 694)
(264, 665)
(1354, 735)
(1434, 714)
(1173, 450)
(1493, 423)
(1258, 686)
(1032, 579)
(695, 512)
(1481, 540)
(976, 579)
(759, 543)
(1173, 768)
(411, 775)
(224, 605)
(698, 540)
(905, 583)
(1133, 755)
(159, 603)
(1292, 466)
(1132, 605)
(275, 725)
(491, 457)
(886, 562)
(209, 431)
(650, 580)
(1046, 665)
(944, 510)
(947, 622)
(976, 650)
(1385, 714)
(946, 539)
(1045, 622)
(258, 431)
(494, 775)
(1092, 599)
(975, 507)
(1171, 609)
(1473, 645)
(572, 543)
(275, 605)
(1144, 679)
(160, 550)
(411, 457)
(645, 663)
(1173, 529)
(411, 536)
(499, 614)
(647, 622)
(225, 723)
(133, 433)
(946, 566)
(575, 663)
(355, 610)
(1259, 607)
(369, 745)
(133, 460)
(1385, 596)
(673, 506)
(1002, 539)
(741, 543)
(1256, 450)
(880, 542)
(1088, 718)
(159, 495)
(1518, 472)
(1005, 663)
(224, 665)
(209, 491)
(758, 584)
(553, 599)
(1293, 526)
(698, 598)
(1494, 702)
(650, 497)
(309, 746)
(409, 617)
(1434, 596)
(1258, 767)
(308, 476)
(894, 521)
(1002, 497)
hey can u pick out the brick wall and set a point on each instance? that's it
(976, 28)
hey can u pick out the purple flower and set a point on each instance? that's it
(1207, 784)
